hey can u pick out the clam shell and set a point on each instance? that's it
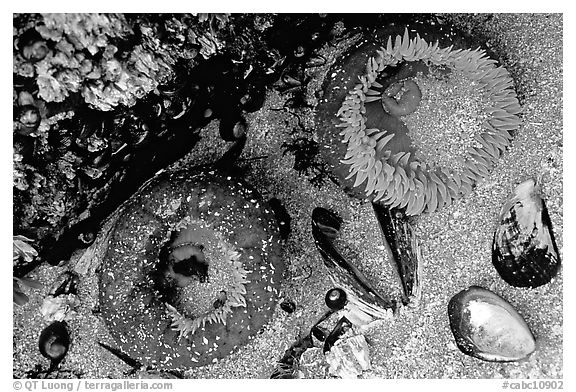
(487, 327)
(524, 251)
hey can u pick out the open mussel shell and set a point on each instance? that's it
(345, 274)
(487, 327)
(403, 248)
(54, 342)
(524, 251)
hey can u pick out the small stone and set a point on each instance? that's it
(288, 306)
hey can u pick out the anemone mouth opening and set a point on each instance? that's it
(426, 123)
(199, 277)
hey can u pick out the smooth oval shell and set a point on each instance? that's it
(487, 327)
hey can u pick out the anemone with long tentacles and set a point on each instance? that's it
(425, 122)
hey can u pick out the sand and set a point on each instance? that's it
(456, 241)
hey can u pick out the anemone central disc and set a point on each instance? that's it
(204, 267)
(448, 119)
(211, 281)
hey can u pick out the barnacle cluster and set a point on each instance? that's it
(392, 171)
(83, 53)
(79, 80)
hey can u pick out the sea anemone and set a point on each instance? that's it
(425, 123)
(192, 270)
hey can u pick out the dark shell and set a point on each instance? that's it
(319, 333)
(29, 119)
(288, 306)
(299, 51)
(336, 299)
(340, 329)
(403, 246)
(54, 342)
(66, 283)
(287, 366)
(524, 251)
(487, 327)
(325, 227)
(35, 51)
(87, 237)
(290, 81)
(232, 128)
(134, 364)
(316, 61)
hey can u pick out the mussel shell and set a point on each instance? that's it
(325, 228)
(31, 45)
(288, 306)
(341, 327)
(54, 341)
(29, 118)
(299, 51)
(319, 333)
(316, 61)
(232, 128)
(524, 251)
(403, 247)
(327, 222)
(290, 81)
(87, 237)
(487, 327)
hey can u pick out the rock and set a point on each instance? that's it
(349, 357)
